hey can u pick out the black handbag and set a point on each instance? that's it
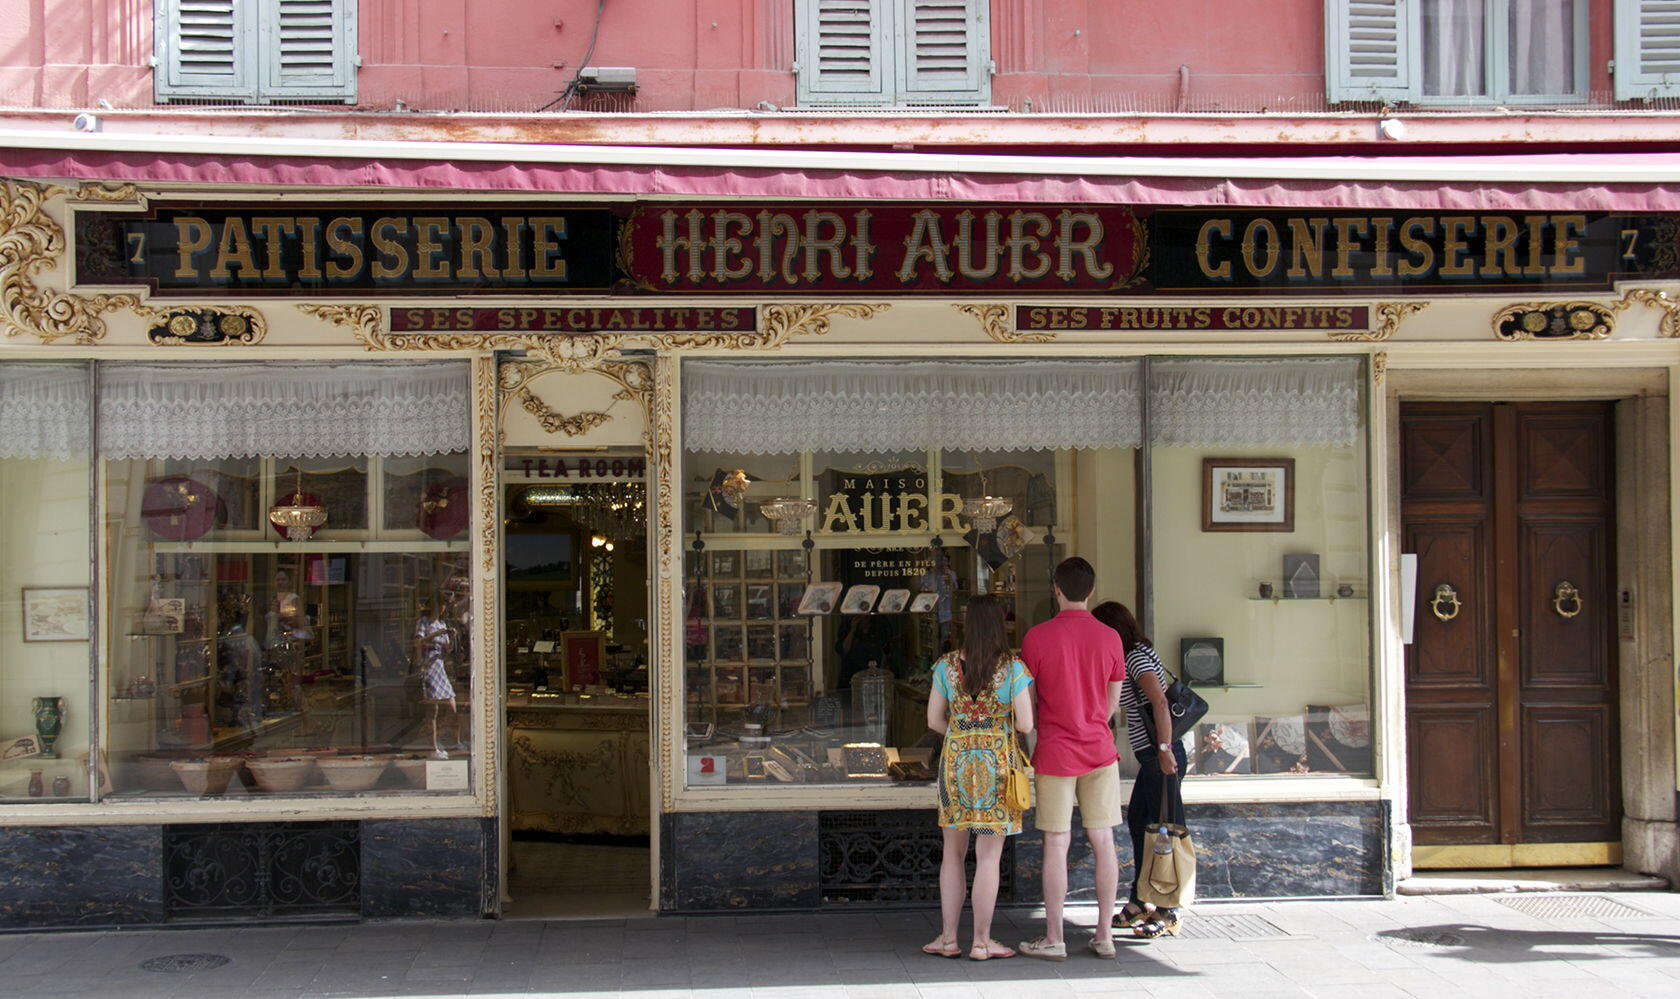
(1185, 705)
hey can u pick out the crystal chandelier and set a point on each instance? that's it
(983, 512)
(786, 512)
(296, 516)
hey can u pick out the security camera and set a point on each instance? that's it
(86, 123)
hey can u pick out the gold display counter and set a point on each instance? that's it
(578, 767)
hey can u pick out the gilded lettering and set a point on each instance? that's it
(1204, 249)
(192, 237)
(1085, 249)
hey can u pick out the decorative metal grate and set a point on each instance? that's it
(276, 869)
(889, 857)
(178, 963)
(1230, 927)
(1548, 906)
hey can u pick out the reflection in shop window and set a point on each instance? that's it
(808, 654)
(251, 657)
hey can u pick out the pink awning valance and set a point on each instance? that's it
(1628, 182)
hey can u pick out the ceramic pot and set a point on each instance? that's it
(352, 773)
(413, 768)
(61, 786)
(204, 777)
(49, 721)
(280, 774)
(36, 786)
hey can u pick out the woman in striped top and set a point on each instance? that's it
(1158, 758)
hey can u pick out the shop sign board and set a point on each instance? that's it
(563, 320)
(851, 248)
(583, 468)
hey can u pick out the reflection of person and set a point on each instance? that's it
(238, 659)
(1079, 668)
(977, 694)
(860, 646)
(432, 642)
(1159, 759)
(285, 620)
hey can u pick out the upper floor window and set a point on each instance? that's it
(893, 52)
(256, 51)
(1494, 51)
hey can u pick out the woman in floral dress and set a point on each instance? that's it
(978, 692)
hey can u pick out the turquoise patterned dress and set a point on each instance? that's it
(976, 753)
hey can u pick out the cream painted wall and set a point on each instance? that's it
(1105, 494)
(43, 542)
(1301, 652)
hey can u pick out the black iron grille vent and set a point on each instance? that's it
(269, 869)
(883, 857)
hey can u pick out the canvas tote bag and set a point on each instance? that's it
(1168, 879)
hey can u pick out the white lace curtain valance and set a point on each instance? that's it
(283, 410)
(43, 410)
(873, 406)
(1236, 403)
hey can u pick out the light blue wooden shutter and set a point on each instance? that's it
(1647, 49)
(308, 50)
(841, 52)
(944, 51)
(200, 49)
(1370, 50)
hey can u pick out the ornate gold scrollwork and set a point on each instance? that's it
(1445, 604)
(1390, 315)
(1554, 321)
(1669, 325)
(1379, 367)
(1566, 593)
(30, 241)
(195, 326)
(572, 426)
(995, 322)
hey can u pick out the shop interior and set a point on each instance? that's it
(576, 633)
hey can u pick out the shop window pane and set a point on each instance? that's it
(427, 494)
(1261, 570)
(45, 666)
(327, 661)
(724, 493)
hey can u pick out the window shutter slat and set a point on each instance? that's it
(945, 51)
(1369, 48)
(841, 51)
(1647, 49)
(308, 49)
(199, 48)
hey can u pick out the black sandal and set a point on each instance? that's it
(1131, 916)
(1158, 926)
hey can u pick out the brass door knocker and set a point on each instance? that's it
(1566, 593)
(1445, 602)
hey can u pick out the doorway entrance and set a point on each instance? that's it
(1511, 720)
(576, 632)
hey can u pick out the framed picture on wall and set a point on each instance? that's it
(57, 614)
(1248, 494)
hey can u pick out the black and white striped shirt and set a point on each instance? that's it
(1140, 658)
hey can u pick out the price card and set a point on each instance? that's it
(703, 770)
(446, 775)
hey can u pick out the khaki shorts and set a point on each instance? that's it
(1097, 792)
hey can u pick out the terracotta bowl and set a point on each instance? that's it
(353, 773)
(209, 776)
(413, 768)
(279, 774)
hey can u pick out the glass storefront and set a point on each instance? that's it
(839, 515)
(283, 556)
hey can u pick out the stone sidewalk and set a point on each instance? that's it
(1485, 947)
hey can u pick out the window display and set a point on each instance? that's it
(45, 611)
(924, 481)
(286, 615)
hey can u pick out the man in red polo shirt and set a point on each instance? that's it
(1078, 668)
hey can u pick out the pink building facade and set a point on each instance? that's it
(440, 431)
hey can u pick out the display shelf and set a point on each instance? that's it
(1226, 686)
(1329, 599)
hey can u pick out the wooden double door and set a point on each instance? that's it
(1511, 675)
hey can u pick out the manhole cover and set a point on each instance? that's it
(1573, 907)
(1421, 939)
(1232, 927)
(176, 963)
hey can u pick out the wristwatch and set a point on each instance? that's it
(1165, 747)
